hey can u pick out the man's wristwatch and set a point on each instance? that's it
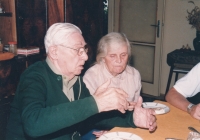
(189, 107)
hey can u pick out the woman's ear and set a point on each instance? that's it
(53, 52)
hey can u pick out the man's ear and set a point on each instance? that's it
(53, 52)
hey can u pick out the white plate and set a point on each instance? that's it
(119, 136)
(159, 108)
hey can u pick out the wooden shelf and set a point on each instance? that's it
(5, 14)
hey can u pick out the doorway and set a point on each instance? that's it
(142, 21)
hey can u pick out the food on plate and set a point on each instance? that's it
(159, 110)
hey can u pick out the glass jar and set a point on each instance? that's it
(13, 47)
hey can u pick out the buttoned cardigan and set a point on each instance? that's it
(40, 110)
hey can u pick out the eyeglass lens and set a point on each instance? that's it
(81, 50)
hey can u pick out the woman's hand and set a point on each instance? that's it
(131, 105)
(99, 133)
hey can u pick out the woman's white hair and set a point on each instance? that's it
(58, 33)
(106, 42)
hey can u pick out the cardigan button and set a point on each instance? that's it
(59, 78)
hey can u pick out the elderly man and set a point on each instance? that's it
(52, 102)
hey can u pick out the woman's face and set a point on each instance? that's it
(116, 58)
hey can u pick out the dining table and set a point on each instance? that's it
(173, 124)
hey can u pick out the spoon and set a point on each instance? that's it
(193, 129)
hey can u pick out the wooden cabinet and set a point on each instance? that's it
(34, 18)
(31, 18)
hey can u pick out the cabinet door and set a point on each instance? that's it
(31, 22)
(55, 11)
(91, 17)
(35, 16)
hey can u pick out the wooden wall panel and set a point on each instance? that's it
(8, 24)
(55, 11)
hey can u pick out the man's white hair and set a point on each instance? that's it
(58, 33)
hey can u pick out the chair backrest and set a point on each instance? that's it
(8, 86)
(7, 71)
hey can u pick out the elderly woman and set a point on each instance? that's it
(112, 63)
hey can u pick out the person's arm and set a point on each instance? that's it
(176, 99)
(179, 101)
(141, 117)
(108, 120)
(45, 110)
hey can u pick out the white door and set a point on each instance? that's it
(142, 22)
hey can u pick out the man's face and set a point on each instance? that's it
(116, 58)
(69, 62)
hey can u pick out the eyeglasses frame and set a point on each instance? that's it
(79, 53)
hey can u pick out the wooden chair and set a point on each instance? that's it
(7, 75)
(7, 88)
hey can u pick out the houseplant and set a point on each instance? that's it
(194, 20)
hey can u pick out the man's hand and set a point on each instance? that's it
(195, 111)
(110, 98)
(144, 118)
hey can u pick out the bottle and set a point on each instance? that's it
(13, 47)
(1, 46)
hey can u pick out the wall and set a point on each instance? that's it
(177, 32)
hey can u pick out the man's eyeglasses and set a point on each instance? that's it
(79, 50)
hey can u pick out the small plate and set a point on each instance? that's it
(120, 136)
(159, 108)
